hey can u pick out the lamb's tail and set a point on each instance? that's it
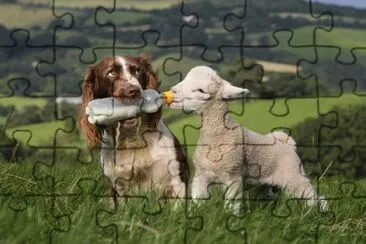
(283, 137)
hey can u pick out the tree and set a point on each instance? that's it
(344, 147)
(8, 1)
(11, 150)
(78, 40)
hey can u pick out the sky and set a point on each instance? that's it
(351, 3)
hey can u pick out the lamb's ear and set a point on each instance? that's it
(232, 92)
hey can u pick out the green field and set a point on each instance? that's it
(39, 134)
(259, 116)
(16, 16)
(118, 17)
(304, 36)
(71, 211)
(21, 102)
(143, 4)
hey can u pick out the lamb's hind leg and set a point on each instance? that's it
(299, 186)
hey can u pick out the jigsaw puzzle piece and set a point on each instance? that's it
(179, 64)
(254, 17)
(130, 26)
(342, 143)
(27, 200)
(143, 220)
(350, 52)
(64, 198)
(221, 221)
(336, 75)
(67, 72)
(285, 71)
(26, 214)
(32, 143)
(83, 33)
(32, 136)
(25, 57)
(38, 32)
(70, 206)
(341, 192)
(27, 128)
(55, 213)
(350, 194)
(22, 78)
(201, 29)
(287, 220)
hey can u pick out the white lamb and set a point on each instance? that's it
(231, 154)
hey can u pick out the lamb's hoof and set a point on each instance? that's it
(323, 204)
(178, 204)
(198, 203)
(233, 206)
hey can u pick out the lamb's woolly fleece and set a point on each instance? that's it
(226, 151)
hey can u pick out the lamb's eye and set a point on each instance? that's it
(200, 90)
(111, 73)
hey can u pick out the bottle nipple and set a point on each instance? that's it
(168, 97)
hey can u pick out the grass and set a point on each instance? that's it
(69, 207)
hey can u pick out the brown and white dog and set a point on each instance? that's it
(137, 153)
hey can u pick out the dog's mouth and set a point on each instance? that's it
(130, 122)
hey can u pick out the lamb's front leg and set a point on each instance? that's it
(234, 194)
(199, 186)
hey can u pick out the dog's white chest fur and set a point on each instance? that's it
(145, 163)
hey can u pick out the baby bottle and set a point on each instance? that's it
(108, 110)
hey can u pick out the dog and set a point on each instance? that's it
(139, 153)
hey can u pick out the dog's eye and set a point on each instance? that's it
(201, 91)
(111, 73)
(135, 70)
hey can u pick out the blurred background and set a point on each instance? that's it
(304, 64)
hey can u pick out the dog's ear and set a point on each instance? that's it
(152, 80)
(146, 56)
(91, 132)
(229, 91)
(151, 77)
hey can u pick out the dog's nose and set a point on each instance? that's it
(133, 91)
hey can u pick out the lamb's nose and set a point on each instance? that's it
(174, 89)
